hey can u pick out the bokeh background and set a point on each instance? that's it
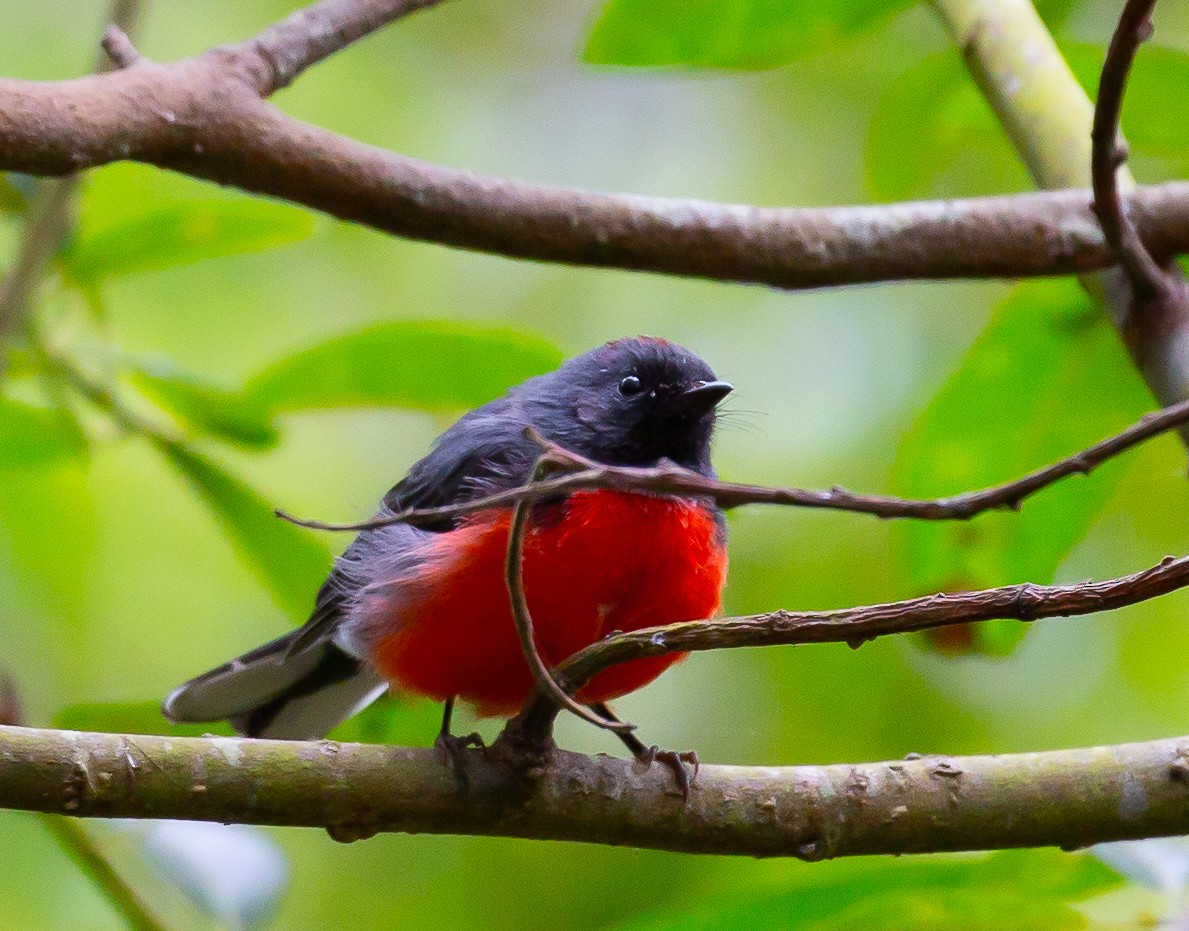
(117, 580)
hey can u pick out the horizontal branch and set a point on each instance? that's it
(580, 474)
(1068, 798)
(204, 117)
(855, 626)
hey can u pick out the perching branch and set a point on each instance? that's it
(204, 116)
(581, 474)
(1068, 798)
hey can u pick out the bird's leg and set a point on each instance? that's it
(451, 747)
(673, 759)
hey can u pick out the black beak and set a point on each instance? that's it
(705, 395)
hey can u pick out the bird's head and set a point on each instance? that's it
(631, 402)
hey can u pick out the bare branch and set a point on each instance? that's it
(48, 221)
(203, 116)
(1146, 277)
(119, 48)
(583, 474)
(1068, 798)
(313, 33)
(855, 626)
(514, 578)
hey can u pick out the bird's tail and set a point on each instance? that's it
(277, 692)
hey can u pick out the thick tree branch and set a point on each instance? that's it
(1047, 115)
(203, 116)
(1069, 798)
(581, 474)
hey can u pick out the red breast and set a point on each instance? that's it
(602, 561)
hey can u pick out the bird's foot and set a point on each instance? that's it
(453, 752)
(676, 761)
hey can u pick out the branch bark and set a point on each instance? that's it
(1068, 798)
(1015, 62)
(1151, 301)
(580, 473)
(204, 116)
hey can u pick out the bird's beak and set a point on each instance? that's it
(703, 396)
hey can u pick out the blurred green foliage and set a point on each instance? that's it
(251, 355)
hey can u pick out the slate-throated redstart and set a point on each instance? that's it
(424, 609)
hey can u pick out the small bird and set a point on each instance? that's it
(424, 610)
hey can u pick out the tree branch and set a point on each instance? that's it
(582, 474)
(203, 116)
(855, 626)
(309, 35)
(1147, 279)
(1017, 65)
(1068, 798)
(514, 580)
(1152, 307)
(48, 221)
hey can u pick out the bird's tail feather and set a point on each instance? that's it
(275, 691)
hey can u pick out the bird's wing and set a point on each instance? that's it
(484, 452)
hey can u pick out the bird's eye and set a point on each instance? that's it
(630, 386)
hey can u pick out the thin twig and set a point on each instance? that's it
(78, 843)
(46, 225)
(855, 626)
(313, 33)
(583, 474)
(119, 48)
(542, 675)
(1144, 273)
(48, 221)
(76, 840)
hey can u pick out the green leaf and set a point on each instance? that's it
(728, 33)
(37, 437)
(937, 101)
(435, 366)
(291, 561)
(205, 408)
(181, 233)
(1047, 378)
(132, 717)
(1012, 890)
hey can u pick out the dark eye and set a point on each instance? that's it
(630, 386)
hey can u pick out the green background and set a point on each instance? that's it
(117, 580)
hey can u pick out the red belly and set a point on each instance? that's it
(610, 561)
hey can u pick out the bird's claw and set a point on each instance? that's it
(453, 750)
(675, 760)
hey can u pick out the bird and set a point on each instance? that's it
(424, 610)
